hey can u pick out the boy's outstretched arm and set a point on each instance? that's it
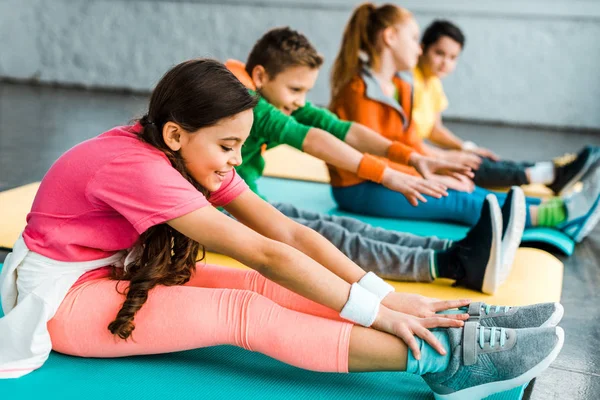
(443, 137)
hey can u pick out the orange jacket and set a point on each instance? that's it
(238, 69)
(363, 101)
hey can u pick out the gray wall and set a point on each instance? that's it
(526, 62)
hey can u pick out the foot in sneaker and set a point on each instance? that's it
(475, 261)
(485, 361)
(569, 173)
(513, 217)
(583, 208)
(531, 316)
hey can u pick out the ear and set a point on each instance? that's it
(259, 76)
(388, 35)
(172, 135)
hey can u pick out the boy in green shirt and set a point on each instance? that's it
(282, 67)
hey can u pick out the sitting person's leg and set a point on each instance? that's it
(177, 318)
(501, 173)
(468, 260)
(369, 231)
(575, 214)
(374, 199)
(559, 175)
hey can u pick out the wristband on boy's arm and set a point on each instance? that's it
(362, 306)
(376, 285)
(399, 153)
(371, 168)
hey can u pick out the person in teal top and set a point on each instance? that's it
(282, 67)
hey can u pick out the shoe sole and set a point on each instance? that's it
(555, 317)
(591, 219)
(491, 278)
(514, 232)
(485, 390)
(584, 170)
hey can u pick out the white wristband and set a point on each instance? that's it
(469, 146)
(376, 285)
(362, 306)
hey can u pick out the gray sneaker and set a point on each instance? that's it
(583, 208)
(532, 316)
(485, 361)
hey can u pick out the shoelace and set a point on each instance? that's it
(492, 336)
(497, 309)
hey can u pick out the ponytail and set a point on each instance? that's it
(359, 42)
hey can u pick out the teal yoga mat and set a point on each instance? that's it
(317, 197)
(221, 372)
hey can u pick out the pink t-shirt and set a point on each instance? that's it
(102, 194)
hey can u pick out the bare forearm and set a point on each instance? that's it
(276, 261)
(325, 253)
(299, 273)
(367, 140)
(330, 149)
(444, 138)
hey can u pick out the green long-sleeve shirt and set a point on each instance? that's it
(272, 127)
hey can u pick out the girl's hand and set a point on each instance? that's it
(483, 152)
(424, 307)
(460, 183)
(412, 187)
(462, 157)
(428, 166)
(407, 326)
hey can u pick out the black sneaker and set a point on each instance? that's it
(514, 210)
(477, 260)
(568, 173)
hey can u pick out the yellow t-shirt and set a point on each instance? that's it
(429, 101)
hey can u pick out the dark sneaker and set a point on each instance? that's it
(531, 316)
(583, 208)
(485, 361)
(478, 255)
(569, 170)
(514, 210)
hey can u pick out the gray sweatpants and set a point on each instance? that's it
(390, 254)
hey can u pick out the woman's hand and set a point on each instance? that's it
(424, 307)
(412, 187)
(460, 183)
(407, 326)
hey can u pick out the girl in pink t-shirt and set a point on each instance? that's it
(152, 187)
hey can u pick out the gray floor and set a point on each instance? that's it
(37, 124)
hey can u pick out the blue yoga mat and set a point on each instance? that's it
(220, 372)
(317, 197)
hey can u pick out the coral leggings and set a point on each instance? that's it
(219, 305)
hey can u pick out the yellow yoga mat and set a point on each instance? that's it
(536, 277)
(15, 204)
(289, 163)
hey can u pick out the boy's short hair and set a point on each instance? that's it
(281, 48)
(439, 28)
